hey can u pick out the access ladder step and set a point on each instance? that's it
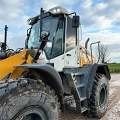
(79, 73)
(83, 109)
(80, 85)
(82, 98)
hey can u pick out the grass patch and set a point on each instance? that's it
(114, 67)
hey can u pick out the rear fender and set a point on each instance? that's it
(96, 68)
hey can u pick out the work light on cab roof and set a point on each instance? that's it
(58, 10)
(54, 10)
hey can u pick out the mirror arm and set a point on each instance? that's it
(72, 13)
(28, 31)
(39, 51)
(43, 43)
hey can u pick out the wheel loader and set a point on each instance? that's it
(37, 79)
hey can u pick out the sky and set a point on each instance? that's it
(100, 20)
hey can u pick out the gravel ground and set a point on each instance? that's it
(113, 112)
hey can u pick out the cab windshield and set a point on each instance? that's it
(56, 28)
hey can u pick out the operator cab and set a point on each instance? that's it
(63, 29)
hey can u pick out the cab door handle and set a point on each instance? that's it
(68, 54)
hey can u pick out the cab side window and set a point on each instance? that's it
(71, 35)
(58, 40)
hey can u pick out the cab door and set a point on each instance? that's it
(71, 49)
(57, 51)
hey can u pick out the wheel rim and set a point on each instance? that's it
(32, 116)
(103, 96)
(33, 113)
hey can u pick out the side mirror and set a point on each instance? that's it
(75, 21)
(45, 34)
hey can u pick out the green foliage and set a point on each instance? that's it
(114, 67)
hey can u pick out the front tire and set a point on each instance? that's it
(98, 101)
(27, 99)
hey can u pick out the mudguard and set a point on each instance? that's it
(51, 76)
(96, 68)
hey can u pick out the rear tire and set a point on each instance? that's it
(27, 99)
(100, 95)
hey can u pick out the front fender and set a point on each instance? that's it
(51, 76)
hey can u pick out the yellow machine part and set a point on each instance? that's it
(17, 72)
(84, 58)
(7, 65)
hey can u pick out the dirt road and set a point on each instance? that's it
(113, 112)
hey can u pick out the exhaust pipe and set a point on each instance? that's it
(5, 38)
(86, 43)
